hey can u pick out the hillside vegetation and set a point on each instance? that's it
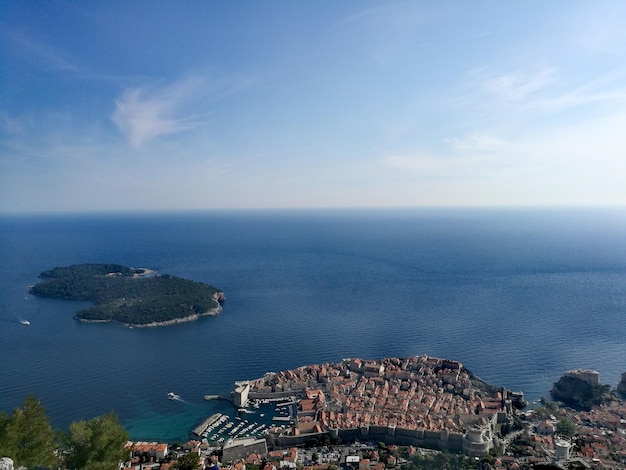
(129, 296)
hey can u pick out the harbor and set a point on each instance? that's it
(251, 421)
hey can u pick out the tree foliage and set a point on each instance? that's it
(189, 461)
(98, 444)
(566, 427)
(27, 436)
(440, 460)
(29, 440)
(122, 295)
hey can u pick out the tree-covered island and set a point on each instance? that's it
(129, 296)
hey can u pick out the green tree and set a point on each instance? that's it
(27, 436)
(5, 419)
(98, 444)
(189, 461)
(552, 406)
(542, 412)
(566, 427)
(441, 460)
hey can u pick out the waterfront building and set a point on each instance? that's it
(240, 394)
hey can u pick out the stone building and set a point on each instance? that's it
(241, 448)
(592, 377)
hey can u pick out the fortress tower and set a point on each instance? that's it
(477, 441)
(240, 394)
(590, 376)
(562, 448)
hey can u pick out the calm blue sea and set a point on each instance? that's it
(518, 296)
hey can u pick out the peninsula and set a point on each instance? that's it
(135, 297)
(421, 401)
(368, 414)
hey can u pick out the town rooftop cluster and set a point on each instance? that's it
(418, 392)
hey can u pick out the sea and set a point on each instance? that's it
(517, 295)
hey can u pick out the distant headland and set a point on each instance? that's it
(134, 297)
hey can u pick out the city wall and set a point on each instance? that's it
(439, 440)
(273, 395)
(284, 442)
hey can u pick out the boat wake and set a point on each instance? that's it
(17, 320)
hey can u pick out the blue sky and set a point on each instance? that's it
(117, 105)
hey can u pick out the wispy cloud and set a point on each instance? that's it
(480, 35)
(37, 51)
(608, 89)
(515, 86)
(143, 114)
(476, 141)
(416, 163)
(581, 163)
(387, 32)
(386, 17)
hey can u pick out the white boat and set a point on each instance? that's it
(24, 322)
(172, 396)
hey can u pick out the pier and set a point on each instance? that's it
(207, 423)
(217, 397)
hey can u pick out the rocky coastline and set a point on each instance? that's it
(218, 296)
(210, 313)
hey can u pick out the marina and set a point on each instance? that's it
(221, 427)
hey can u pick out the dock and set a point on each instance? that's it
(282, 418)
(206, 423)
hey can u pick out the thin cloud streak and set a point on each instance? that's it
(143, 114)
(477, 141)
(40, 53)
(516, 86)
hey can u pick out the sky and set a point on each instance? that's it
(191, 105)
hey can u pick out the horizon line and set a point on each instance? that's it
(182, 211)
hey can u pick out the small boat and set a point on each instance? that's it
(172, 396)
(24, 322)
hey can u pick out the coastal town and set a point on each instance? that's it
(398, 414)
